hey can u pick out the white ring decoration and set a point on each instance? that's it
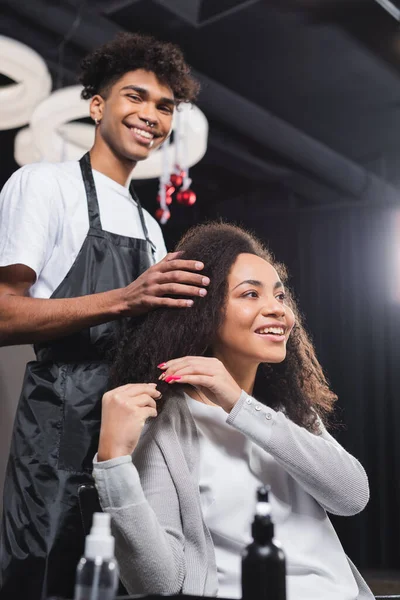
(33, 82)
(51, 130)
(54, 138)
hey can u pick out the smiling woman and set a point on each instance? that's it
(244, 401)
(247, 293)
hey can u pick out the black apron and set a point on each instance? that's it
(57, 423)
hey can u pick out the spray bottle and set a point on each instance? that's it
(97, 572)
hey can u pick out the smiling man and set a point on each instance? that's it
(77, 255)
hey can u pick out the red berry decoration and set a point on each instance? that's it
(169, 190)
(176, 180)
(168, 199)
(186, 197)
(162, 214)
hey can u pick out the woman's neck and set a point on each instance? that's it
(243, 372)
(104, 160)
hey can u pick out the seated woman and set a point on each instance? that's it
(244, 402)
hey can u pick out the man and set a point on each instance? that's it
(77, 254)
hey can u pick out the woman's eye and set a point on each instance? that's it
(281, 297)
(251, 294)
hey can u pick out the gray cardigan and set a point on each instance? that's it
(162, 543)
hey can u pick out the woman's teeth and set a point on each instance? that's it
(273, 330)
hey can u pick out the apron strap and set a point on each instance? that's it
(91, 195)
(93, 205)
(142, 220)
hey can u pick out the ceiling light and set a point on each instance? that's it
(392, 7)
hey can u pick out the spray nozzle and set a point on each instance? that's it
(100, 542)
(101, 524)
(263, 493)
(263, 507)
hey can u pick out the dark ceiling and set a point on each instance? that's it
(303, 97)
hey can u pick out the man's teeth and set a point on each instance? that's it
(145, 134)
(275, 330)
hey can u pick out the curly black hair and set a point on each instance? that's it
(297, 385)
(132, 51)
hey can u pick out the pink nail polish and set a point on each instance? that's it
(171, 378)
(161, 365)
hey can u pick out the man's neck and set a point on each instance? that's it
(105, 161)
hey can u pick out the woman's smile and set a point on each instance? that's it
(257, 321)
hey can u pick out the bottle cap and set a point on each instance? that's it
(263, 492)
(263, 507)
(100, 543)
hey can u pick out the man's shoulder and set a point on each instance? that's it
(43, 174)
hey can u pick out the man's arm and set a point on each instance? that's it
(25, 320)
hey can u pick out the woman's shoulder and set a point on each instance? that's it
(174, 421)
(173, 414)
(173, 433)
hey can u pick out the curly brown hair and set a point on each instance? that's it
(297, 385)
(132, 51)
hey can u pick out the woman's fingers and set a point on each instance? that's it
(149, 413)
(189, 365)
(205, 381)
(134, 389)
(185, 360)
(138, 389)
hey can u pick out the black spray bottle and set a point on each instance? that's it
(263, 561)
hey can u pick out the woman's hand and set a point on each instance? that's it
(124, 413)
(208, 375)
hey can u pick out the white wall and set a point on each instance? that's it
(12, 365)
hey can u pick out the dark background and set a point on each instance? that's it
(303, 101)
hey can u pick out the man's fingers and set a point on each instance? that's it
(172, 256)
(176, 264)
(183, 277)
(170, 303)
(178, 289)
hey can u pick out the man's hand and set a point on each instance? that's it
(25, 320)
(208, 375)
(124, 413)
(160, 284)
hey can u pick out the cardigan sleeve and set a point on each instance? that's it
(146, 522)
(316, 461)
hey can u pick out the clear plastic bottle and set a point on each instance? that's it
(97, 572)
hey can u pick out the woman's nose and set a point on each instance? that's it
(274, 307)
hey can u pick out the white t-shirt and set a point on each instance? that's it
(44, 220)
(232, 467)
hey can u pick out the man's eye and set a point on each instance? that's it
(134, 97)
